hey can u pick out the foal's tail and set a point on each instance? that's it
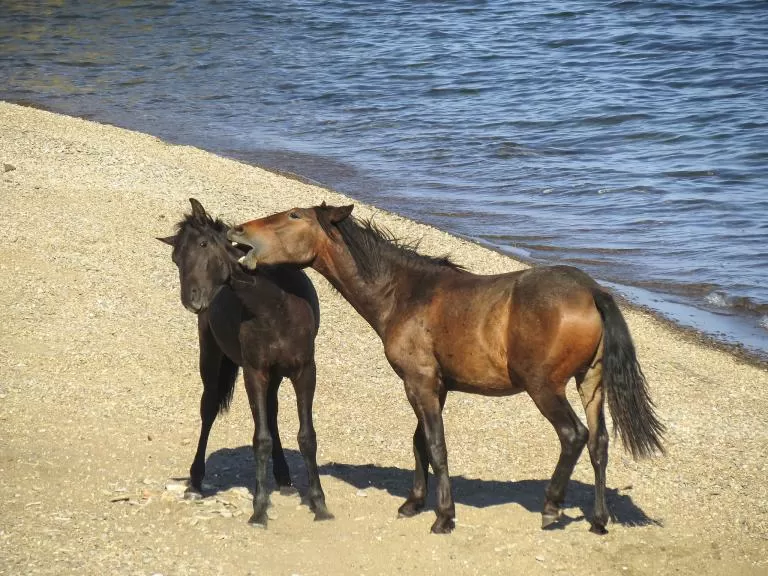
(623, 380)
(226, 384)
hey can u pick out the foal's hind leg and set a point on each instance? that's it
(279, 464)
(256, 385)
(591, 392)
(572, 434)
(304, 384)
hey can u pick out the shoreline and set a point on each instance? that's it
(740, 350)
(100, 391)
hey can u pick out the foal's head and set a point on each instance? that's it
(204, 256)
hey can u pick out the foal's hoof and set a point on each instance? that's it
(258, 520)
(192, 494)
(410, 508)
(288, 490)
(549, 520)
(443, 526)
(598, 529)
(323, 514)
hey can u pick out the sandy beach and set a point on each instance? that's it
(99, 396)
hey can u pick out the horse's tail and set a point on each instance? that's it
(226, 384)
(625, 385)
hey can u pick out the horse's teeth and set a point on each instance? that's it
(234, 243)
(241, 259)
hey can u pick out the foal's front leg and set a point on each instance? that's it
(256, 385)
(427, 397)
(211, 368)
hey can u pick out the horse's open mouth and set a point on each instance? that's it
(242, 248)
(247, 255)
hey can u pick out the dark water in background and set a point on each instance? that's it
(627, 138)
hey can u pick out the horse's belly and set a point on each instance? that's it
(475, 375)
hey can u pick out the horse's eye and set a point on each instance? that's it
(294, 216)
(203, 243)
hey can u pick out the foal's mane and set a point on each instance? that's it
(202, 223)
(375, 249)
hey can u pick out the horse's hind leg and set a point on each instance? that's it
(279, 464)
(572, 434)
(304, 384)
(591, 392)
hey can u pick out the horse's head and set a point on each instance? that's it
(203, 255)
(292, 237)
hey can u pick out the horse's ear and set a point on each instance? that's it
(323, 205)
(340, 213)
(197, 208)
(170, 240)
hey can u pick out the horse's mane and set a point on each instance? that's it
(375, 249)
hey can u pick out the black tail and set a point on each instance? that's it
(226, 385)
(623, 380)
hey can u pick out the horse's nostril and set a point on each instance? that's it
(238, 229)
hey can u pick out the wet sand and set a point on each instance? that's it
(99, 397)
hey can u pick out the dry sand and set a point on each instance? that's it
(99, 396)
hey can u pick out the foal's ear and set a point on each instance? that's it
(339, 213)
(170, 240)
(197, 208)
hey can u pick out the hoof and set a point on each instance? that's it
(410, 509)
(549, 520)
(598, 529)
(323, 514)
(258, 521)
(192, 494)
(443, 526)
(288, 491)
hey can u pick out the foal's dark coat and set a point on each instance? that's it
(264, 322)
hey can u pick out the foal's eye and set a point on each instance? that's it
(294, 216)
(203, 243)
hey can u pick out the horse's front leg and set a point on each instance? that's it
(427, 397)
(257, 385)
(304, 384)
(418, 495)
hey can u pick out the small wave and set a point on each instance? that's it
(612, 120)
(690, 173)
(764, 322)
(716, 299)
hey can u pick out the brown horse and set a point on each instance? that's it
(444, 328)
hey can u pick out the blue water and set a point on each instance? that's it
(627, 138)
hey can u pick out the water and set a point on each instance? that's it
(627, 138)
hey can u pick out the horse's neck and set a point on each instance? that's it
(374, 300)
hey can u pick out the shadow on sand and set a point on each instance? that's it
(233, 467)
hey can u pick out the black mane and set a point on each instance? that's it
(375, 249)
(202, 223)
